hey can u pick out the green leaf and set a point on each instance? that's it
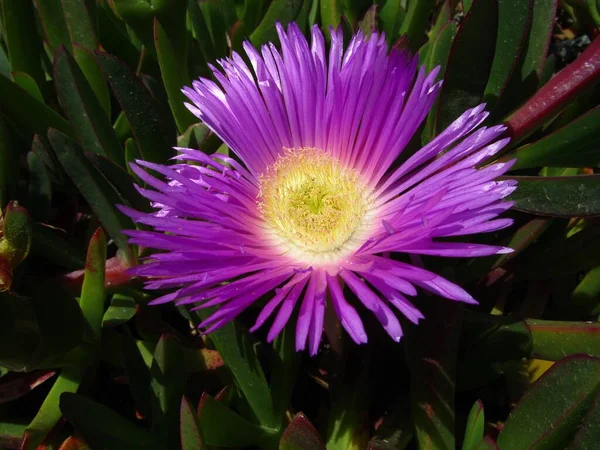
(553, 340)
(138, 373)
(491, 346)
(99, 194)
(94, 131)
(213, 414)
(18, 104)
(431, 354)
(21, 38)
(391, 16)
(168, 385)
(475, 427)
(438, 56)
(121, 180)
(174, 77)
(283, 11)
(40, 188)
(469, 63)
(588, 434)
(235, 347)
(92, 291)
(55, 249)
(49, 413)
(121, 309)
(53, 23)
(577, 144)
(102, 428)
(80, 22)
(576, 196)
(563, 400)
(284, 370)
(514, 22)
(415, 22)
(141, 110)
(586, 296)
(9, 165)
(189, 430)
(300, 434)
(562, 255)
(536, 51)
(29, 324)
(28, 83)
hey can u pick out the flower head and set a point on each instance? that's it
(316, 204)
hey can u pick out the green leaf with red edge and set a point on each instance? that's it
(588, 434)
(469, 62)
(169, 375)
(189, 430)
(234, 344)
(514, 22)
(101, 427)
(147, 126)
(577, 144)
(11, 434)
(213, 414)
(80, 22)
(97, 191)
(490, 346)
(86, 61)
(475, 427)
(553, 340)
(17, 104)
(551, 98)
(300, 434)
(431, 354)
(283, 11)
(571, 196)
(53, 23)
(93, 129)
(564, 403)
(174, 77)
(21, 38)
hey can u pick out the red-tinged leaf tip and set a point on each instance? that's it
(301, 435)
(191, 437)
(557, 93)
(97, 245)
(74, 443)
(13, 388)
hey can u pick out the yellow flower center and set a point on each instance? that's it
(314, 206)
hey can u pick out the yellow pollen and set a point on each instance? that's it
(313, 205)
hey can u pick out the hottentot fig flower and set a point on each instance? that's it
(315, 207)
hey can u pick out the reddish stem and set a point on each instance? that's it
(556, 93)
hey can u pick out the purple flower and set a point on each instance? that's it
(316, 207)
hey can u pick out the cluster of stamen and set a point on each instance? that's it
(313, 205)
